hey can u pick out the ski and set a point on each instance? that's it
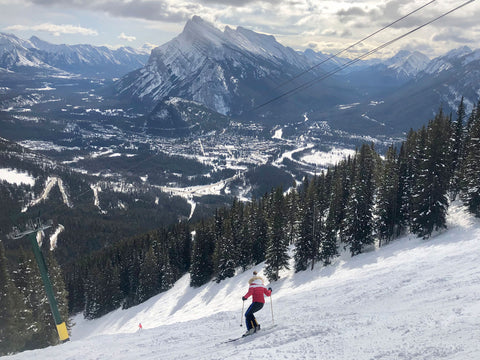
(243, 337)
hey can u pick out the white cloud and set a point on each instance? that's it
(128, 38)
(295, 23)
(53, 29)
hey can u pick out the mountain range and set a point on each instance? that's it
(234, 71)
(38, 56)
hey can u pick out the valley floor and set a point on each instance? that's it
(412, 299)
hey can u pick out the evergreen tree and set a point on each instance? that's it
(167, 274)
(308, 243)
(102, 291)
(75, 283)
(23, 277)
(292, 215)
(329, 247)
(47, 331)
(149, 280)
(358, 224)
(277, 249)
(405, 183)
(471, 165)
(386, 203)
(430, 202)
(59, 288)
(15, 318)
(225, 253)
(336, 208)
(257, 230)
(201, 270)
(456, 154)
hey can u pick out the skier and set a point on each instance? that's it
(257, 290)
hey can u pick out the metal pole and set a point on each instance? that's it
(271, 308)
(32, 229)
(61, 327)
(241, 315)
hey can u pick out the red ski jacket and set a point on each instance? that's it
(257, 290)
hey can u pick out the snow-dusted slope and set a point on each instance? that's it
(412, 299)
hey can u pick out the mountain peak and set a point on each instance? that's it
(198, 29)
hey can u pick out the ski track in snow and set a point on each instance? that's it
(51, 182)
(412, 299)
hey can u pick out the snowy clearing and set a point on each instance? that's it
(412, 299)
(13, 176)
(325, 159)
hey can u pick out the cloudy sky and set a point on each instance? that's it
(322, 25)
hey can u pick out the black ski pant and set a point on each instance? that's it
(249, 317)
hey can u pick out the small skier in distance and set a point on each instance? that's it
(257, 290)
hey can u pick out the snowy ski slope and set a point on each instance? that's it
(412, 299)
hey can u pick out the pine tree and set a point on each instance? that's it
(15, 318)
(59, 288)
(405, 183)
(358, 223)
(167, 275)
(336, 209)
(201, 270)
(74, 278)
(149, 281)
(456, 154)
(386, 203)
(329, 247)
(225, 252)
(257, 230)
(471, 169)
(23, 277)
(47, 332)
(430, 202)
(277, 249)
(308, 242)
(102, 290)
(292, 215)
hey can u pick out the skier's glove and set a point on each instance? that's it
(270, 289)
(244, 298)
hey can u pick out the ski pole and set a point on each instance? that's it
(271, 308)
(241, 315)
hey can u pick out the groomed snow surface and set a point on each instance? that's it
(412, 299)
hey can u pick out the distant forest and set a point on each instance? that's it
(366, 200)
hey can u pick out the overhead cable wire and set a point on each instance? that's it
(357, 59)
(354, 44)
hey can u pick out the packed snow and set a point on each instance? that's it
(412, 299)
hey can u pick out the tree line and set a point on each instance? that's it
(365, 200)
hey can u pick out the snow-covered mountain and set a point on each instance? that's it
(233, 71)
(17, 55)
(89, 58)
(407, 64)
(442, 83)
(412, 299)
(229, 72)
